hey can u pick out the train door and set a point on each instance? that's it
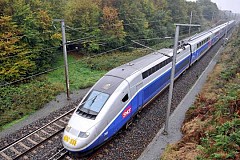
(128, 110)
(194, 53)
(139, 95)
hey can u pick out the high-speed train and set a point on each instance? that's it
(114, 100)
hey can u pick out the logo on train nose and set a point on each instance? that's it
(127, 111)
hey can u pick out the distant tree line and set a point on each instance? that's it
(29, 37)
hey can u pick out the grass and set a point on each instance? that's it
(14, 122)
(212, 126)
(80, 75)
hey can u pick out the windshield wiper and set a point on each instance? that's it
(93, 100)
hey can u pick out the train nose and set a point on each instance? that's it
(74, 140)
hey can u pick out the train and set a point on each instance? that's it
(122, 92)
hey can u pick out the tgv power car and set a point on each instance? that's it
(123, 91)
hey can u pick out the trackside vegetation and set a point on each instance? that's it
(212, 125)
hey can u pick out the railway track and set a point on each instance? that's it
(62, 153)
(31, 141)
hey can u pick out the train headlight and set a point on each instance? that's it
(68, 128)
(83, 134)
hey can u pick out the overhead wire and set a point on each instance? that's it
(24, 35)
(70, 42)
(155, 38)
(84, 38)
(76, 29)
(98, 54)
(127, 24)
(29, 77)
(56, 68)
(101, 39)
(79, 30)
(13, 37)
(44, 49)
(50, 70)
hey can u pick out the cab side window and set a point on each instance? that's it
(125, 98)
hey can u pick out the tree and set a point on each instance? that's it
(209, 13)
(160, 4)
(84, 15)
(178, 9)
(161, 19)
(14, 58)
(3, 7)
(112, 27)
(25, 19)
(135, 22)
(36, 25)
(193, 7)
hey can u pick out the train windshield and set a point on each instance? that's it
(93, 103)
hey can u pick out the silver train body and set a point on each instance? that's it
(123, 91)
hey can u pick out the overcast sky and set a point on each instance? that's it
(233, 5)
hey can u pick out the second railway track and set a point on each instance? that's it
(35, 139)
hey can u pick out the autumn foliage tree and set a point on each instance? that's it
(135, 22)
(14, 58)
(112, 27)
(26, 31)
(160, 20)
(83, 17)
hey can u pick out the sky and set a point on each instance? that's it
(233, 5)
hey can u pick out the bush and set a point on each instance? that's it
(19, 101)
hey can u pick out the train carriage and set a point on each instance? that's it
(114, 100)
